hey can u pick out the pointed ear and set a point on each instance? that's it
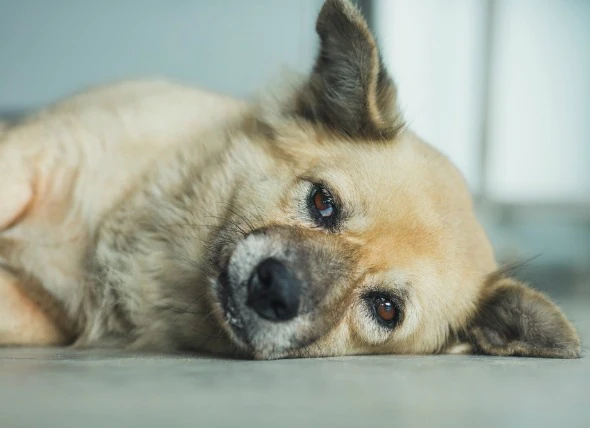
(349, 90)
(513, 319)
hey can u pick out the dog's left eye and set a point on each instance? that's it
(322, 207)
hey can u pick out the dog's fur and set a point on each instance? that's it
(132, 215)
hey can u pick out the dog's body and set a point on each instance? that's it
(106, 138)
(152, 215)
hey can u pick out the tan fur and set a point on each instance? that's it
(129, 203)
(80, 158)
(22, 322)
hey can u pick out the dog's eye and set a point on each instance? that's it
(322, 206)
(323, 203)
(385, 309)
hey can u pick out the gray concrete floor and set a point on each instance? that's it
(65, 388)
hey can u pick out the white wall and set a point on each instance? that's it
(539, 106)
(433, 49)
(540, 102)
(51, 48)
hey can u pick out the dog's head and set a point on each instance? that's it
(349, 235)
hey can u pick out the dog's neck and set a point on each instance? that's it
(162, 214)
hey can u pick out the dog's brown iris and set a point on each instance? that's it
(323, 202)
(385, 309)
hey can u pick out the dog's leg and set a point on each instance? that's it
(22, 320)
(15, 196)
(16, 186)
(29, 315)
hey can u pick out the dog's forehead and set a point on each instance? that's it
(387, 181)
(377, 173)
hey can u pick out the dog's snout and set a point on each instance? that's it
(274, 291)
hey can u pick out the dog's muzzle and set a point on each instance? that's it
(273, 288)
(274, 291)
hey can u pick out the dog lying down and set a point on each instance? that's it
(149, 215)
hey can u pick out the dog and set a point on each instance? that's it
(150, 215)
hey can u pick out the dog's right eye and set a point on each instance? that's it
(386, 310)
(322, 207)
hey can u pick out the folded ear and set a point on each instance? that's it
(349, 89)
(513, 319)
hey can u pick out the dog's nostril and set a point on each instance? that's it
(281, 311)
(265, 272)
(274, 291)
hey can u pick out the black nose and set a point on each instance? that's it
(273, 291)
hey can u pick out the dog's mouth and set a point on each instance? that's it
(230, 312)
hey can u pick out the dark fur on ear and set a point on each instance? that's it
(513, 319)
(349, 89)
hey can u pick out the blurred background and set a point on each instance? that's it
(502, 87)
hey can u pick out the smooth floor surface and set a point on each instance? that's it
(65, 388)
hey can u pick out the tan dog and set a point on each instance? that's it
(151, 215)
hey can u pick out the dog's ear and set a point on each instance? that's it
(349, 90)
(513, 319)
